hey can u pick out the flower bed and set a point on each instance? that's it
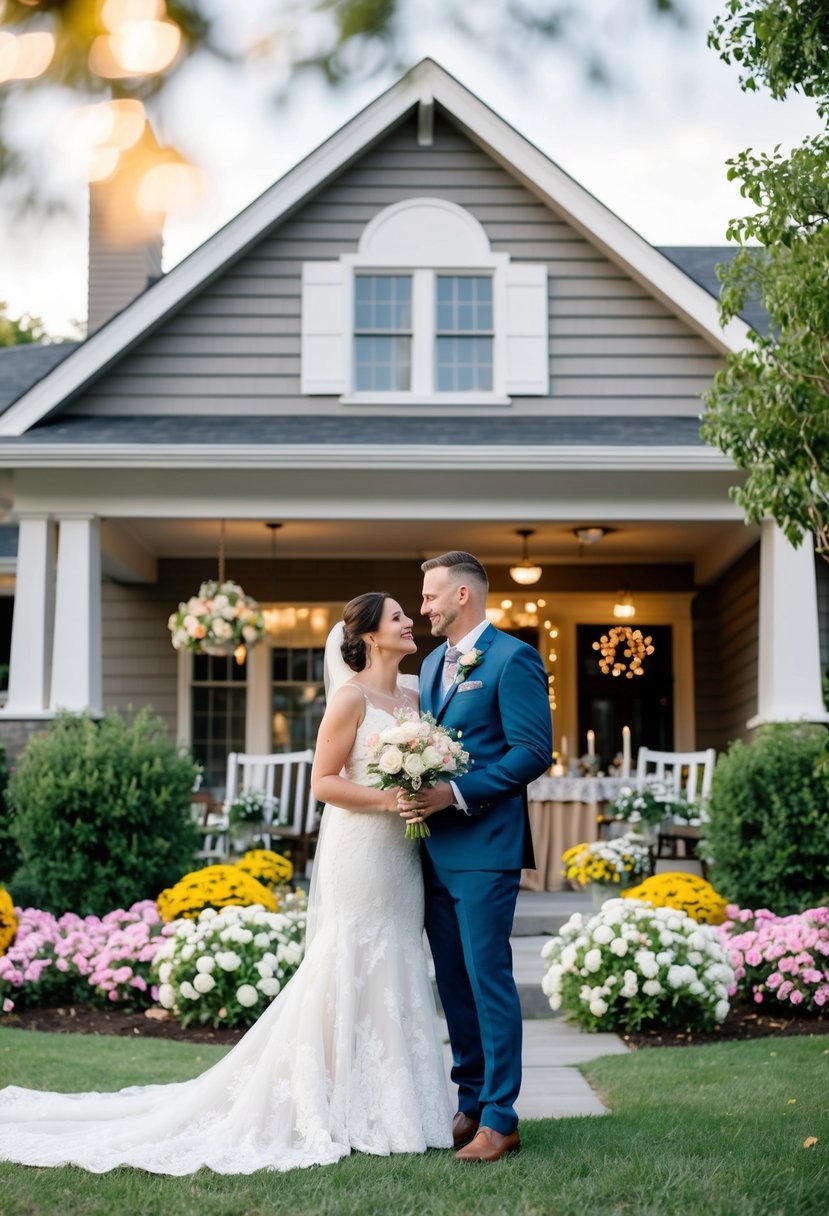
(54, 959)
(224, 968)
(632, 965)
(686, 892)
(780, 960)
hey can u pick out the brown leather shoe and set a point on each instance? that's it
(489, 1145)
(464, 1129)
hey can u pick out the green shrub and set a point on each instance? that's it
(769, 831)
(103, 814)
(9, 852)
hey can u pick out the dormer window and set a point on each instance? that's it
(424, 312)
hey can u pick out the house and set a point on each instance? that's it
(424, 336)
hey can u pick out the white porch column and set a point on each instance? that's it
(258, 708)
(34, 599)
(788, 681)
(76, 664)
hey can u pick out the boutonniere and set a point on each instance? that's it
(466, 662)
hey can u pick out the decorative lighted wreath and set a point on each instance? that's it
(636, 649)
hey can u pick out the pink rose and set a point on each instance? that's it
(796, 997)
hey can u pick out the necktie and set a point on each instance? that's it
(450, 667)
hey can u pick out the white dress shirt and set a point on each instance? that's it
(466, 643)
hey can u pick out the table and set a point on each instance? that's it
(563, 812)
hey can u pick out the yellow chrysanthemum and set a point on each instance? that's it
(266, 867)
(213, 887)
(687, 892)
(8, 921)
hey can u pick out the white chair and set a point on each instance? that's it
(284, 779)
(688, 773)
(212, 822)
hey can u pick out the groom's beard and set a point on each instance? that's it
(446, 621)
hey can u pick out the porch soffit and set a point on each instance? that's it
(684, 297)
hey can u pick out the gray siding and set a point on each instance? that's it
(235, 347)
(139, 664)
(726, 624)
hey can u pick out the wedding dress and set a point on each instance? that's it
(347, 1056)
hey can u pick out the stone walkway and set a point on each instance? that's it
(553, 1087)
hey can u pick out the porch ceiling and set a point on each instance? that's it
(709, 546)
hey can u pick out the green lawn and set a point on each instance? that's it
(714, 1130)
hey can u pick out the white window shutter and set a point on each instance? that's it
(324, 346)
(527, 344)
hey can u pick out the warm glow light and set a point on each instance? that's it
(139, 48)
(506, 604)
(531, 607)
(319, 620)
(99, 164)
(115, 13)
(170, 186)
(495, 615)
(542, 603)
(240, 654)
(624, 609)
(25, 56)
(525, 575)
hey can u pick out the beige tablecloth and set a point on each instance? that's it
(557, 826)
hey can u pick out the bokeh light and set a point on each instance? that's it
(25, 56)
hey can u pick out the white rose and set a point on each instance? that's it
(247, 996)
(250, 633)
(180, 639)
(187, 990)
(409, 731)
(593, 960)
(265, 972)
(269, 986)
(555, 1001)
(164, 973)
(391, 761)
(413, 765)
(188, 951)
(468, 660)
(431, 757)
(228, 960)
(166, 996)
(204, 982)
(721, 1010)
(190, 624)
(222, 630)
(598, 1007)
(220, 602)
(391, 734)
(205, 964)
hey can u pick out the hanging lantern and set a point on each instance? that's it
(220, 620)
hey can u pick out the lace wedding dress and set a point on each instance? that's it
(348, 1055)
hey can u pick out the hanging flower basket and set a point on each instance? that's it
(217, 621)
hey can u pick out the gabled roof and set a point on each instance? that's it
(24, 365)
(427, 85)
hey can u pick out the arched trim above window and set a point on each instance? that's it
(424, 312)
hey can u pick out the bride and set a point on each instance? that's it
(348, 1055)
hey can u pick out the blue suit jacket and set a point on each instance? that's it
(504, 720)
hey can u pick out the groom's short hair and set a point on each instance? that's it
(462, 564)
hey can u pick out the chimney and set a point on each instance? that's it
(125, 241)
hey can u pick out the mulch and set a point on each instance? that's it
(743, 1022)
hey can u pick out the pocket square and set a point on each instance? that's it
(469, 685)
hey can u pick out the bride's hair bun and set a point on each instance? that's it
(360, 616)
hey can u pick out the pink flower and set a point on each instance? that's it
(8, 1005)
(796, 997)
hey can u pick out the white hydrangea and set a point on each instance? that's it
(247, 996)
(204, 982)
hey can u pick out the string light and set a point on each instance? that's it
(636, 649)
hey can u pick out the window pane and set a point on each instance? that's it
(464, 304)
(464, 364)
(382, 363)
(383, 303)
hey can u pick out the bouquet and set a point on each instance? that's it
(414, 753)
(217, 620)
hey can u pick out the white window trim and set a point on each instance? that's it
(421, 238)
(424, 327)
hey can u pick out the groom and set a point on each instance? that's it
(493, 690)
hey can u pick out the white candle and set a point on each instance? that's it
(591, 743)
(564, 749)
(625, 751)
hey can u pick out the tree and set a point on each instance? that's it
(769, 407)
(19, 330)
